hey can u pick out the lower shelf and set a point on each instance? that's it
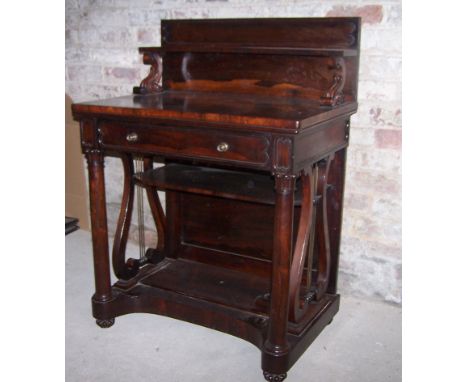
(210, 283)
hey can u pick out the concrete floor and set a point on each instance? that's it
(362, 344)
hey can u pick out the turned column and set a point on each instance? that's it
(276, 343)
(97, 202)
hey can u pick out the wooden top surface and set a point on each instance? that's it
(288, 114)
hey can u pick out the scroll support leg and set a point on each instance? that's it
(323, 260)
(97, 201)
(156, 209)
(276, 345)
(122, 269)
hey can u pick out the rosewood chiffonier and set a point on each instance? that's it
(250, 119)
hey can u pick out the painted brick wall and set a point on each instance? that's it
(102, 61)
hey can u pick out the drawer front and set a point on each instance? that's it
(185, 142)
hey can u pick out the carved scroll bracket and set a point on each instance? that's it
(151, 84)
(334, 94)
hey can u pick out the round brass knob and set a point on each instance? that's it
(132, 137)
(222, 147)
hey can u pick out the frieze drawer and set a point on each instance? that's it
(185, 142)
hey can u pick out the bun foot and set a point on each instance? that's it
(274, 377)
(105, 323)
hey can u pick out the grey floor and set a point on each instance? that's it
(362, 344)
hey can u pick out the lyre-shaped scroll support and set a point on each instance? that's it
(322, 272)
(125, 269)
(312, 238)
(156, 209)
(308, 178)
(122, 269)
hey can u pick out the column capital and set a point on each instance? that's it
(284, 183)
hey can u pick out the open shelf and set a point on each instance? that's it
(210, 283)
(229, 184)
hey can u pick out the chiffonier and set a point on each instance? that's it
(250, 119)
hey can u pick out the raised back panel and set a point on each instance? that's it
(294, 76)
(271, 57)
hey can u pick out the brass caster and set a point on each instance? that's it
(105, 323)
(274, 377)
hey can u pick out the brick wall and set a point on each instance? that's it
(102, 61)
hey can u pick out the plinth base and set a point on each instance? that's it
(217, 298)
